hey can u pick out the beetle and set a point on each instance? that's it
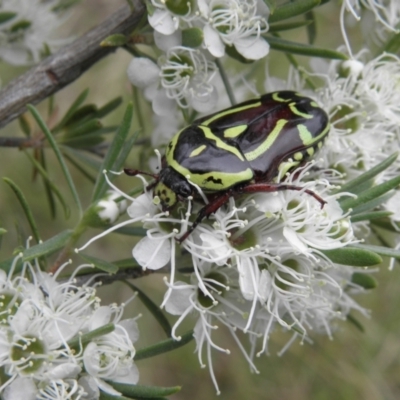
(242, 149)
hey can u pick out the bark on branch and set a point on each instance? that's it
(63, 67)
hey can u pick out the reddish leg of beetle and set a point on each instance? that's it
(210, 208)
(271, 187)
(134, 172)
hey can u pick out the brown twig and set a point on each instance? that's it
(62, 68)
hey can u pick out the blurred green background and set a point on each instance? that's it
(354, 365)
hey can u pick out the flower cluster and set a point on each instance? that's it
(258, 263)
(183, 74)
(43, 350)
(27, 30)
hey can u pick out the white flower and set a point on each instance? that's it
(39, 318)
(221, 304)
(24, 37)
(183, 77)
(234, 23)
(168, 13)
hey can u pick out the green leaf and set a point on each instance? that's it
(107, 396)
(24, 204)
(47, 247)
(115, 40)
(108, 107)
(43, 173)
(291, 9)
(192, 37)
(370, 194)
(24, 125)
(364, 280)
(303, 49)
(2, 230)
(126, 149)
(113, 152)
(312, 27)
(83, 129)
(87, 160)
(76, 342)
(49, 193)
(79, 116)
(163, 347)
(286, 26)
(153, 308)
(368, 216)
(74, 106)
(354, 256)
(143, 392)
(128, 263)
(101, 264)
(22, 25)
(5, 16)
(80, 168)
(355, 322)
(58, 154)
(386, 224)
(131, 231)
(392, 45)
(271, 4)
(370, 174)
(383, 251)
(150, 8)
(371, 205)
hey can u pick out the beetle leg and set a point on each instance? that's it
(271, 187)
(134, 172)
(210, 208)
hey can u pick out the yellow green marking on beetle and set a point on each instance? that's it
(230, 111)
(295, 111)
(267, 143)
(235, 131)
(220, 143)
(276, 97)
(197, 151)
(306, 136)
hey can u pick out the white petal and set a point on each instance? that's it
(142, 72)
(91, 359)
(213, 42)
(105, 387)
(21, 388)
(165, 42)
(100, 317)
(141, 206)
(131, 327)
(251, 48)
(64, 371)
(130, 375)
(293, 238)
(205, 104)
(152, 253)
(90, 386)
(178, 300)
(162, 105)
(163, 22)
(264, 285)
(245, 279)
(203, 7)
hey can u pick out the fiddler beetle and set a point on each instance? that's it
(241, 149)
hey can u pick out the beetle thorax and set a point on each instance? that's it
(171, 187)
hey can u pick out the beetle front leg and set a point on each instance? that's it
(277, 187)
(214, 205)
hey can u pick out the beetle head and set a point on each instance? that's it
(171, 187)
